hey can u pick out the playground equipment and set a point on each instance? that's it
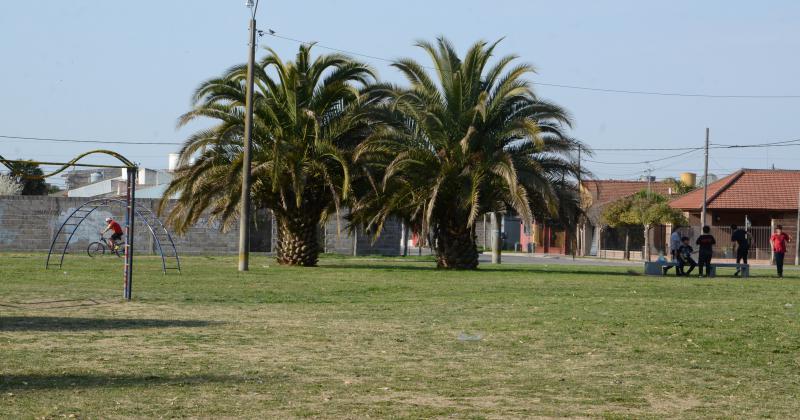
(161, 236)
(162, 240)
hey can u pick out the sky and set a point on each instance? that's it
(125, 71)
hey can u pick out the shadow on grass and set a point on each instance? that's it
(71, 381)
(52, 323)
(521, 269)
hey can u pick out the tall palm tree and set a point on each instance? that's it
(309, 114)
(476, 139)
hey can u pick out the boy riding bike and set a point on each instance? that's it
(113, 226)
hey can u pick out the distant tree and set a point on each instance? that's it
(644, 209)
(52, 189)
(27, 174)
(9, 185)
(679, 187)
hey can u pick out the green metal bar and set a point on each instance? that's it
(128, 164)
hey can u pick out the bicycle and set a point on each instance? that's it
(100, 247)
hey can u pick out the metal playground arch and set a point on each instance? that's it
(164, 244)
(131, 211)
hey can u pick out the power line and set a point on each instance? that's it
(795, 142)
(644, 162)
(784, 143)
(56, 140)
(274, 34)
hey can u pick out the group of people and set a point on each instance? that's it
(681, 250)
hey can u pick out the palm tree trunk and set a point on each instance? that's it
(646, 253)
(298, 240)
(456, 248)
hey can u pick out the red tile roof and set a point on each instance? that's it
(606, 191)
(761, 189)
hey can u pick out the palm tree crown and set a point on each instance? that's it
(308, 116)
(476, 139)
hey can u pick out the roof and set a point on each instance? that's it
(759, 189)
(606, 191)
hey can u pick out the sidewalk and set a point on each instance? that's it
(568, 259)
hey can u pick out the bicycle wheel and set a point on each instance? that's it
(96, 248)
(120, 250)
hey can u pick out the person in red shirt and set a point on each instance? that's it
(116, 236)
(779, 239)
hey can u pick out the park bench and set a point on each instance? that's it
(657, 268)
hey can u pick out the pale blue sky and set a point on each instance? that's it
(126, 70)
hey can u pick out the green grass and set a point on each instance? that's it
(380, 338)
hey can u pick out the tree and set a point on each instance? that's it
(308, 116)
(679, 187)
(474, 139)
(29, 175)
(9, 185)
(644, 209)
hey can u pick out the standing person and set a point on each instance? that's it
(706, 244)
(779, 239)
(674, 246)
(685, 256)
(741, 245)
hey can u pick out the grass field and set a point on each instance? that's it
(382, 338)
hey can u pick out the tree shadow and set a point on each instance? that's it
(52, 323)
(71, 381)
(518, 268)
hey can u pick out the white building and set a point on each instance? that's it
(150, 183)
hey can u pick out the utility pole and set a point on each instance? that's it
(705, 185)
(578, 236)
(796, 238)
(244, 210)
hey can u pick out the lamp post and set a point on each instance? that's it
(244, 211)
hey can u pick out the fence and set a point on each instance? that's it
(760, 248)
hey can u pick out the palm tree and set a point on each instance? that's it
(476, 139)
(308, 116)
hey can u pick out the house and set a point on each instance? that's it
(756, 198)
(598, 240)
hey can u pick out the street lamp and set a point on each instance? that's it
(244, 211)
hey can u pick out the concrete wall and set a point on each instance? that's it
(28, 223)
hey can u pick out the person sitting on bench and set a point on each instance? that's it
(685, 257)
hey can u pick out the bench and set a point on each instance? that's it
(744, 269)
(657, 268)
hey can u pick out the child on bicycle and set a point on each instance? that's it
(116, 236)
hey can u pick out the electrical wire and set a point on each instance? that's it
(274, 34)
(57, 140)
(644, 162)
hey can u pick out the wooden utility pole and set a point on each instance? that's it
(578, 236)
(705, 185)
(796, 238)
(244, 210)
